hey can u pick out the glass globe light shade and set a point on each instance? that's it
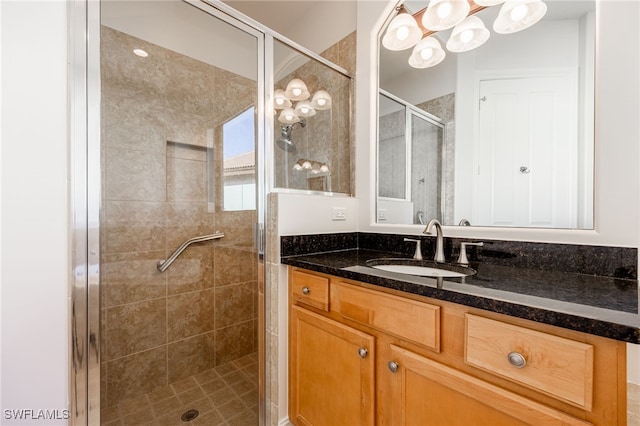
(297, 90)
(443, 14)
(427, 53)
(468, 35)
(402, 33)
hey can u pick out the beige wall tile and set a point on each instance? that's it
(135, 327)
(135, 175)
(136, 374)
(186, 180)
(189, 314)
(192, 270)
(133, 226)
(234, 265)
(132, 277)
(234, 342)
(190, 356)
(234, 304)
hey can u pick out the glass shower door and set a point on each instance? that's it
(180, 107)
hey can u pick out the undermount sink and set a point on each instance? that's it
(421, 268)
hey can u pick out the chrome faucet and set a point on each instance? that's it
(439, 257)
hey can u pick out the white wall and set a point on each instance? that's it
(34, 264)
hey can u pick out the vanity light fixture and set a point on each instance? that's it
(298, 92)
(291, 115)
(514, 15)
(312, 166)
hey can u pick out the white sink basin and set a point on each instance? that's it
(424, 271)
(411, 267)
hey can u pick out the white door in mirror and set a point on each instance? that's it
(527, 145)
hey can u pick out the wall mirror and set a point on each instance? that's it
(312, 130)
(500, 135)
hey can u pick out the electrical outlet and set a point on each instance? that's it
(382, 215)
(338, 213)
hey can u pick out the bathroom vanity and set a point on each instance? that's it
(504, 346)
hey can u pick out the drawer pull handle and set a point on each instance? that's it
(305, 290)
(517, 359)
(393, 366)
(363, 352)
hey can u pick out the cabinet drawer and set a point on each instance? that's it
(309, 289)
(415, 321)
(553, 365)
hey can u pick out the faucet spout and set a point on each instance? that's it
(439, 256)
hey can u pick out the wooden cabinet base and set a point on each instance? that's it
(453, 364)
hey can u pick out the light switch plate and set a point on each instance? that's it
(338, 213)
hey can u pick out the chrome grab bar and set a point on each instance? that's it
(164, 264)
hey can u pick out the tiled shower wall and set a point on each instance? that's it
(160, 118)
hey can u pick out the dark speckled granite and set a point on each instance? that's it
(304, 244)
(602, 305)
(617, 262)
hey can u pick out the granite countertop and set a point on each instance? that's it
(604, 306)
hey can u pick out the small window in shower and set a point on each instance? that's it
(239, 162)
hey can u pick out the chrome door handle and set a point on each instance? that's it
(363, 352)
(393, 366)
(305, 290)
(525, 169)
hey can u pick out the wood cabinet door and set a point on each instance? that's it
(425, 392)
(331, 368)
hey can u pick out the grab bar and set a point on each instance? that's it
(164, 264)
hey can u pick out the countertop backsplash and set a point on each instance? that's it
(617, 262)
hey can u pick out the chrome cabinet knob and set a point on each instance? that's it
(305, 290)
(363, 352)
(517, 359)
(393, 366)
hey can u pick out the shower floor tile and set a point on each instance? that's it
(224, 396)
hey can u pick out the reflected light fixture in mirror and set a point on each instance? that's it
(297, 91)
(469, 32)
(291, 114)
(427, 53)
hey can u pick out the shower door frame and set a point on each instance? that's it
(86, 189)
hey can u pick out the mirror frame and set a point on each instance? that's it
(615, 221)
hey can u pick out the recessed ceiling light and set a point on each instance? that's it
(140, 53)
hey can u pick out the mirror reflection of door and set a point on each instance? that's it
(527, 150)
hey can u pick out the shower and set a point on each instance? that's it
(284, 142)
(181, 340)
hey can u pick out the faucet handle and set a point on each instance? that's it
(462, 258)
(418, 254)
